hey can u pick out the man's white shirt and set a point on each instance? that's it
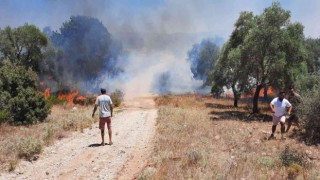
(280, 106)
(104, 102)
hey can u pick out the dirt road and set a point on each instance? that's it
(80, 156)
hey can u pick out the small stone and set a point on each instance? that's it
(217, 137)
(35, 158)
(47, 173)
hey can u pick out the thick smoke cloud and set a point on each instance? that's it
(157, 34)
(156, 38)
(203, 57)
(84, 51)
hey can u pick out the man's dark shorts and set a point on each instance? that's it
(293, 118)
(103, 121)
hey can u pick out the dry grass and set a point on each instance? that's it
(204, 138)
(21, 142)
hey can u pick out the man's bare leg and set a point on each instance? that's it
(289, 125)
(102, 137)
(110, 136)
(283, 128)
(273, 131)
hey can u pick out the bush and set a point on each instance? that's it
(53, 100)
(309, 86)
(117, 97)
(294, 171)
(18, 95)
(29, 107)
(4, 115)
(28, 147)
(289, 157)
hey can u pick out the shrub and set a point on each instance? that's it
(53, 100)
(48, 134)
(309, 86)
(18, 95)
(117, 97)
(29, 107)
(294, 170)
(13, 164)
(267, 162)
(4, 115)
(289, 157)
(28, 147)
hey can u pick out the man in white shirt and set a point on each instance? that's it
(279, 106)
(106, 111)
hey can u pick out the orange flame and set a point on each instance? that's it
(81, 98)
(69, 97)
(46, 93)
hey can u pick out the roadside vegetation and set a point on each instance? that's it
(204, 138)
(27, 142)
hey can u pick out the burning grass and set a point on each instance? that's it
(197, 140)
(26, 142)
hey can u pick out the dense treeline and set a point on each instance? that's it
(268, 50)
(79, 52)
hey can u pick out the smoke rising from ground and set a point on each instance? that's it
(154, 46)
(156, 38)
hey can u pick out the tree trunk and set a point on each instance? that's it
(265, 93)
(235, 101)
(255, 108)
(236, 96)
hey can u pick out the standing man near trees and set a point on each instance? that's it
(106, 111)
(295, 99)
(279, 106)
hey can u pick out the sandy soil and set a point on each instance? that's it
(80, 156)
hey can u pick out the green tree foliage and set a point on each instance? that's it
(308, 86)
(203, 57)
(18, 94)
(273, 47)
(268, 49)
(313, 60)
(230, 70)
(87, 49)
(23, 45)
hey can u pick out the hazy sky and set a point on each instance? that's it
(163, 16)
(157, 33)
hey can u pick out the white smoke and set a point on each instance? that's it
(142, 68)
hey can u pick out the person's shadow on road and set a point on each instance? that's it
(97, 145)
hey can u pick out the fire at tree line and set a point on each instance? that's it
(263, 51)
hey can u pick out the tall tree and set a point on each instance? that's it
(230, 69)
(87, 48)
(203, 57)
(273, 46)
(267, 49)
(23, 45)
